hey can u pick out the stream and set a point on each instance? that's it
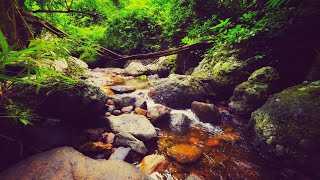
(227, 152)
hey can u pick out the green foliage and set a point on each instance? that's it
(36, 71)
(133, 31)
(19, 113)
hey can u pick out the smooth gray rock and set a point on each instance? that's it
(137, 125)
(120, 153)
(126, 139)
(67, 163)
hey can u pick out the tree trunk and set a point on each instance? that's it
(13, 25)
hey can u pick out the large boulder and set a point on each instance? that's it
(253, 93)
(67, 163)
(79, 101)
(223, 71)
(137, 125)
(177, 91)
(162, 66)
(289, 123)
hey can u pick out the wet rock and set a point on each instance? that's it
(162, 67)
(122, 89)
(137, 125)
(195, 177)
(179, 123)
(184, 153)
(118, 80)
(140, 111)
(95, 147)
(108, 137)
(111, 108)
(67, 163)
(108, 91)
(253, 93)
(94, 134)
(116, 112)
(126, 139)
(153, 77)
(288, 118)
(153, 163)
(110, 102)
(120, 153)
(158, 112)
(177, 91)
(208, 113)
(141, 103)
(123, 100)
(127, 110)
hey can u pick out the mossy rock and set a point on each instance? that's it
(177, 91)
(289, 123)
(253, 93)
(162, 66)
(264, 75)
(79, 101)
(224, 71)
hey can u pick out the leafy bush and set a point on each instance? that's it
(134, 31)
(33, 72)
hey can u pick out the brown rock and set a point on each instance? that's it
(67, 163)
(140, 111)
(122, 89)
(208, 113)
(110, 102)
(184, 153)
(95, 146)
(127, 109)
(118, 80)
(153, 163)
(108, 137)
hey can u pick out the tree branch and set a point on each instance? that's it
(154, 55)
(66, 11)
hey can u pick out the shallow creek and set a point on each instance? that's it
(226, 151)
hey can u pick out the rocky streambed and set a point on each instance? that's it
(167, 140)
(163, 126)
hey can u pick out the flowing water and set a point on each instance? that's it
(226, 153)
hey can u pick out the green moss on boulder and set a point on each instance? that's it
(224, 71)
(251, 94)
(289, 123)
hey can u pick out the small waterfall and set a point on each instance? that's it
(194, 119)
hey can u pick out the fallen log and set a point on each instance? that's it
(202, 44)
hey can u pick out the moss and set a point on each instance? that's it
(290, 116)
(264, 75)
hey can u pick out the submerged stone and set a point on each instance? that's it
(184, 153)
(153, 163)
